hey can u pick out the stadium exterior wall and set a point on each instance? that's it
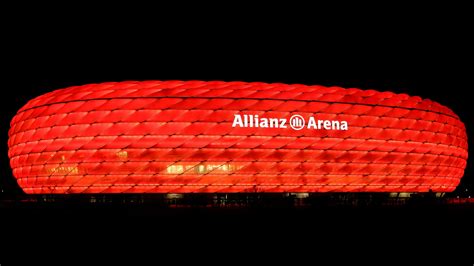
(226, 137)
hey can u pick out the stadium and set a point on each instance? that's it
(176, 138)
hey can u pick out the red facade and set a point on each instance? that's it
(179, 137)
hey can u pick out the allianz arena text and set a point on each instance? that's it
(297, 122)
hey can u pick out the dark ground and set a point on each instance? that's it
(265, 234)
(271, 229)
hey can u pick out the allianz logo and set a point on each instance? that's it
(296, 122)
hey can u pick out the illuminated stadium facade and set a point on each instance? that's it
(234, 137)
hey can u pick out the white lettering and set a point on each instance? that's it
(344, 125)
(327, 124)
(238, 121)
(313, 123)
(273, 122)
(320, 124)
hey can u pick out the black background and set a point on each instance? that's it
(424, 52)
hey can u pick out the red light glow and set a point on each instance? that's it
(178, 137)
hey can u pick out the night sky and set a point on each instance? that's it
(430, 64)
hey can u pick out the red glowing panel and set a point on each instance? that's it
(230, 137)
